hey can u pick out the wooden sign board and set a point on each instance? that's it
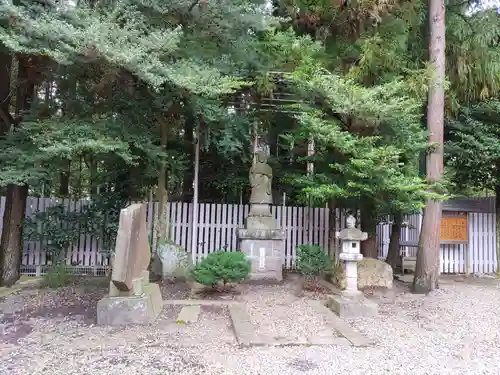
(454, 229)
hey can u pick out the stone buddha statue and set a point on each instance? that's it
(261, 176)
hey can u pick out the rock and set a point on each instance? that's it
(374, 273)
(371, 273)
(174, 260)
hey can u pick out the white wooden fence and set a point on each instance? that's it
(480, 250)
(216, 229)
(218, 224)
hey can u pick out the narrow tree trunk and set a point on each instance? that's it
(369, 247)
(162, 193)
(64, 179)
(5, 71)
(394, 254)
(369, 225)
(427, 268)
(93, 175)
(134, 176)
(332, 220)
(11, 245)
(187, 184)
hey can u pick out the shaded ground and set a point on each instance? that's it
(455, 330)
(75, 302)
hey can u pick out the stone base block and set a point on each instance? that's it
(260, 222)
(266, 251)
(143, 309)
(349, 308)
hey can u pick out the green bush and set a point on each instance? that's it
(222, 266)
(57, 276)
(312, 260)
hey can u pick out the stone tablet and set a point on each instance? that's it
(132, 252)
(132, 298)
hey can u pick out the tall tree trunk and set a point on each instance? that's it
(187, 184)
(394, 254)
(427, 268)
(133, 177)
(162, 192)
(332, 220)
(93, 175)
(11, 248)
(11, 241)
(64, 178)
(369, 225)
(5, 71)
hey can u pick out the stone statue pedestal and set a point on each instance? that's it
(351, 306)
(139, 306)
(265, 248)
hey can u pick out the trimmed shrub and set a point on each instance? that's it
(222, 266)
(312, 260)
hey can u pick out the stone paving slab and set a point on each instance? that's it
(188, 314)
(356, 338)
(246, 334)
(243, 328)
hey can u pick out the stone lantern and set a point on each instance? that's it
(351, 303)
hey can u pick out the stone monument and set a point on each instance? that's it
(132, 298)
(351, 303)
(261, 241)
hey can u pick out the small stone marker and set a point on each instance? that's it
(132, 299)
(188, 314)
(351, 303)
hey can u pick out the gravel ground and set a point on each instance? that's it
(456, 330)
(269, 310)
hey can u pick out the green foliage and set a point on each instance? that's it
(102, 216)
(368, 141)
(312, 260)
(57, 276)
(222, 266)
(56, 229)
(473, 56)
(472, 149)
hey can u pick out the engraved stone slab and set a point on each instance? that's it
(132, 299)
(132, 252)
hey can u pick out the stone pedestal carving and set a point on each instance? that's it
(261, 241)
(132, 298)
(351, 303)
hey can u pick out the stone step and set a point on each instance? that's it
(188, 314)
